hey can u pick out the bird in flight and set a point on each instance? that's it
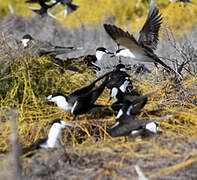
(141, 50)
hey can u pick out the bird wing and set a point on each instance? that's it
(83, 91)
(34, 146)
(123, 38)
(137, 99)
(149, 34)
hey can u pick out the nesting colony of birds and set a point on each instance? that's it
(121, 103)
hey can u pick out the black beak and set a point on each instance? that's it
(109, 52)
(112, 55)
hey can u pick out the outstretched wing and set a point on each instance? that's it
(149, 34)
(123, 38)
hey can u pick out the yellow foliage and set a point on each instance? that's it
(127, 14)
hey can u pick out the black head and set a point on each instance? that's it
(120, 66)
(56, 121)
(101, 49)
(57, 94)
(27, 36)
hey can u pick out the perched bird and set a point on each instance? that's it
(121, 101)
(44, 7)
(95, 60)
(133, 103)
(127, 124)
(143, 49)
(41, 48)
(119, 78)
(133, 127)
(81, 101)
(53, 138)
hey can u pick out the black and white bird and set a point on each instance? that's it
(119, 78)
(43, 10)
(133, 127)
(122, 103)
(53, 138)
(41, 48)
(94, 61)
(127, 124)
(81, 101)
(133, 103)
(143, 49)
(70, 7)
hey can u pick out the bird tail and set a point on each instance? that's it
(160, 119)
(58, 50)
(135, 100)
(97, 92)
(168, 68)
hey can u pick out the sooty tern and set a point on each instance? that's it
(119, 78)
(131, 104)
(141, 50)
(53, 138)
(121, 101)
(82, 100)
(70, 7)
(133, 127)
(44, 7)
(95, 60)
(41, 48)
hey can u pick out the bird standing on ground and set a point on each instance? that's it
(143, 49)
(41, 48)
(81, 101)
(53, 138)
(127, 124)
(119, 78)
(95, 60)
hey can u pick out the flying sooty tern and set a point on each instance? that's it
(53, 138)
(41, 48)
(44, 8)
(82, 100)
(70, 7)
(133, 127)
(141, 50)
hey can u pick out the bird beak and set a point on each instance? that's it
(108, 52)
(67, 124)
(112, 55)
